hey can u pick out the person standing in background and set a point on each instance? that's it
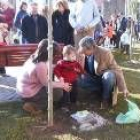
(44, 11)
(7, 15)
(20, 15)
(84, 18)
(4, 40)
(62, 30)
(34, 26)
(121, 25)
(18, 23)
(126, 41)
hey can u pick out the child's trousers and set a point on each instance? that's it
(70, 97)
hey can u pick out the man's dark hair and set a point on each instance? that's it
(41, 54)
(87, 42)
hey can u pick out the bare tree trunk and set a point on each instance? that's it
(50, 60)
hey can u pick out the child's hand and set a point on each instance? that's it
(67, 87)
(77, 70)
(61, 79)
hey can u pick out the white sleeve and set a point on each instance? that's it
(122, 38)
(96, 14)
(72, 17)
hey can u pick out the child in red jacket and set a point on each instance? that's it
(68, 70)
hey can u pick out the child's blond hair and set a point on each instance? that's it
(67, 50)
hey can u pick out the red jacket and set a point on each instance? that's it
(68, 70)
(9, 15)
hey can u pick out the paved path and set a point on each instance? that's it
(8, 85)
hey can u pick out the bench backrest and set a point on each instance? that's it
(15, 55)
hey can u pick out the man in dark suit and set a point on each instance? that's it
(34, 26)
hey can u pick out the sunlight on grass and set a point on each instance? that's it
(131, 69)
(135, 96)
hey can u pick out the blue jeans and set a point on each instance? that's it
(104, 83)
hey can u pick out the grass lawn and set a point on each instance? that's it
(16, 125)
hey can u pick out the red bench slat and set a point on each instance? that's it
(16, 55)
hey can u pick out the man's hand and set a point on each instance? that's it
(126, 93)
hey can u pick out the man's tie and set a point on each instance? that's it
(90, 60)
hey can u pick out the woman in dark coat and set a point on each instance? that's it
(62, 30)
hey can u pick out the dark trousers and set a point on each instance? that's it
(70, 97)
(40, 99)
(126, 48)
(104, 84)
(119, 33)
(113, 40)
(2, 70)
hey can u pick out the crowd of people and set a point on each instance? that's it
(86, 61)
(69, 24)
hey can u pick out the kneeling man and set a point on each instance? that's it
(102, 71)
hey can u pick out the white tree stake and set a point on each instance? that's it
(50, 65)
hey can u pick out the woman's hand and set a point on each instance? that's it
(67, 87)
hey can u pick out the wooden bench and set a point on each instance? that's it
(16, 55)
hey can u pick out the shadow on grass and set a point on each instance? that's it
(63, 126)
(16, 125)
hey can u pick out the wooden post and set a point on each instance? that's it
(50, 68)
